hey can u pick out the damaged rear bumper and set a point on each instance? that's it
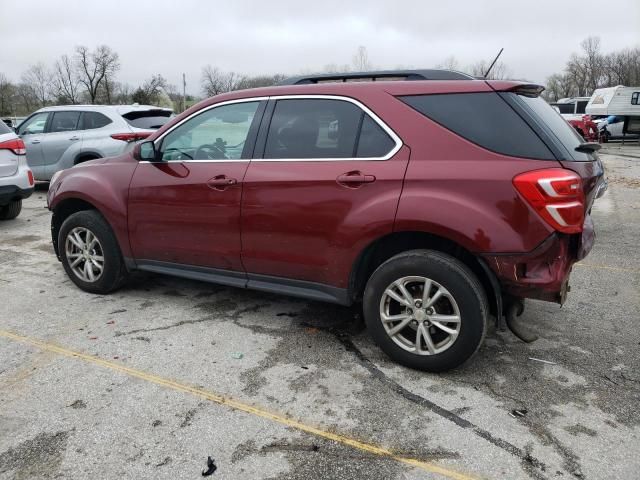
(543, 274)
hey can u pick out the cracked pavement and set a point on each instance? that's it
(66, 418)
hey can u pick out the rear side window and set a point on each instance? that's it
(147, 119)
(91, 120)
(484, 119)
(324, 128)
(64, 122)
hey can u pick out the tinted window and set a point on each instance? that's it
(91, 120)
(566, 108)
(634, 98)
(64, 121)
(484, 119)
(374, 141)
(34, 124)
(216, 134)
(313, 128)
(4, 128)
(147, 119)
(581, 106)
(558, 125)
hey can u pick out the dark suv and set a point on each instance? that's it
(433, 198)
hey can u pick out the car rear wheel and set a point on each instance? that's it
(90, 253)
(426, 310)
(11, 211)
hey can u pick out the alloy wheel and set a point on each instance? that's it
(84, 254)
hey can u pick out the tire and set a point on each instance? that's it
(11, 211)
(113, 273)
(462, 297)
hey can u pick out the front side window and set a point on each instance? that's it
(635, 98)
(64, 122)
(318, 128)
(216, 134)
(34, 125)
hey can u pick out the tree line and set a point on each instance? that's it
(90, 76)
(591, 69)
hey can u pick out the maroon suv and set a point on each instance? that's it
(436, 199)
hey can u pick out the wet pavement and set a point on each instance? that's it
(149, 381)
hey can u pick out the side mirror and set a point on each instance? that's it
(146, 151)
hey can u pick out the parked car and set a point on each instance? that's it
(436, 201)
(612, 128)
(16, 179)
(61, 137)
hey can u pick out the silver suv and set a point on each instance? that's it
(61, 137)
(16, 180)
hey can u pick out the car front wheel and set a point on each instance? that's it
(90, 253)
(426, 310)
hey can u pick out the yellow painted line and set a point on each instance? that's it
(242, 407)
(606, 267)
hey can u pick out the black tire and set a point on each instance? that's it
(114, 272)
(455, 277)
(11, 211)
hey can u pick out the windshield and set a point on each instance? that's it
(559, 127)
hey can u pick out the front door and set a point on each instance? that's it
(32, 133)
(185, 208)
(62, 139)
(328, 183)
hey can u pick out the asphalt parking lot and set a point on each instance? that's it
(151, 380)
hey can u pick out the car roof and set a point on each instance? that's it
(120, 109)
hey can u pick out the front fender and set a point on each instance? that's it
(103, 185)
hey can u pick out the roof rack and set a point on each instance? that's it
(378, 75)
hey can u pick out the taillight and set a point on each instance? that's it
(16, 146)
(557, 195)
(130, 137)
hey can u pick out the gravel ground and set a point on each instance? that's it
(286, 361)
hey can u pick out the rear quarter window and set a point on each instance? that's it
(4, 128)
(147, 119)
(484, 119)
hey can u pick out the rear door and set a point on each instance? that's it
(325, 179)
(62, 135)
(184, 209)
(32, 132)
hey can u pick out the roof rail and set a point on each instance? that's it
(378, 75)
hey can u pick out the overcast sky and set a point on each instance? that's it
(290, 36)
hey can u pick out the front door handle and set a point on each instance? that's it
(74, 138)
(36, 141)
(220, 182)
(354, 179)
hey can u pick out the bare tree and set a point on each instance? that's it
(214, 81)
(38, 79)
(96, 68)
(65, 81)
(449, 63)
(150, 91)
(361, 61)
(498, 72)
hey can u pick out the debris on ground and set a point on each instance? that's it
(237, 355)
(122, 310)
(518, 413)
(211, 467)
(111, 322)
(542, 361)
(78, 404)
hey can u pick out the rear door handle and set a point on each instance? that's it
(74, 138)
(220, 182)
(355, 179)
(35, 141)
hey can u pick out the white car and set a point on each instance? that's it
(612, 127)
(61, 137)
(16, 179)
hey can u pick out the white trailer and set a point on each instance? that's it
(624, 101)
